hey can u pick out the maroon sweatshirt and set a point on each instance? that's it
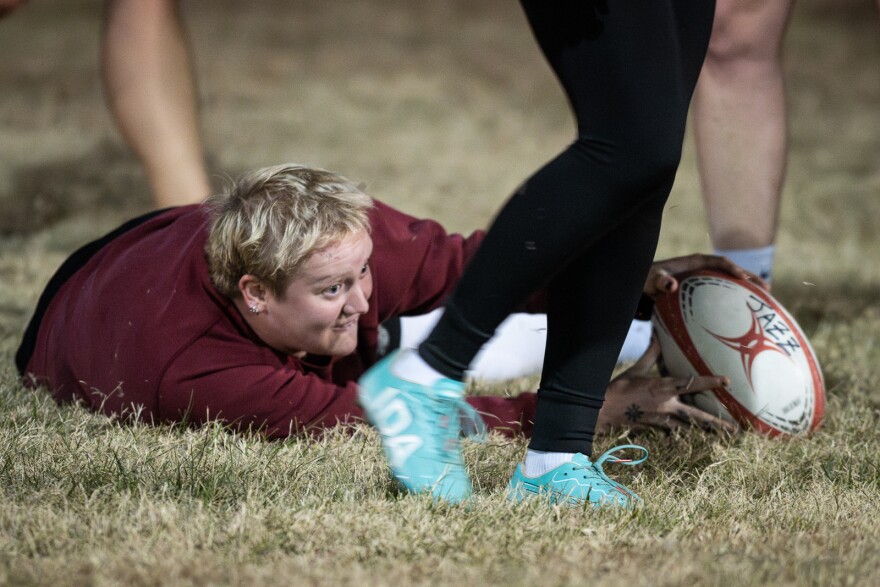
(140, 331)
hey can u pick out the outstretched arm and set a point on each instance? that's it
(661, 276)
(638, 400)
(252, 387)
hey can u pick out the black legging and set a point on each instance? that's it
(586, 224)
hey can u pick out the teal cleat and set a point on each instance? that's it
(577, 482)
(421, 428)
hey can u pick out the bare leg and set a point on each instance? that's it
(740, 123)
(150, 87)
(7, 6)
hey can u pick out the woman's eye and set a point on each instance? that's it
(334, 289)
(364, 269)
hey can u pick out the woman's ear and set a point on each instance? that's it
(253, 292)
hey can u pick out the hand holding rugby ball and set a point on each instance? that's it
(718, 324)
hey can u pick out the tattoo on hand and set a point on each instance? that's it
(634, 413)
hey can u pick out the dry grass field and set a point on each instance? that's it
(441, 108)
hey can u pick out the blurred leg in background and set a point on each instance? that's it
(741, 130)
(150, 87)
(7, 6)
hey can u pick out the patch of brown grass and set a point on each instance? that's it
(442, 108)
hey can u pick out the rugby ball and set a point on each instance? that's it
(717, 324)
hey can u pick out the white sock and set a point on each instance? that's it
(410, 366)
(758, 260)
(539, 462)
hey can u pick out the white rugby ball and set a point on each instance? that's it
(716, 324)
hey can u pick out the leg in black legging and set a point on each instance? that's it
(586, 224)
(590, 308)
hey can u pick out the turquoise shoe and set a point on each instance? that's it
(421, 429)
(577, 482)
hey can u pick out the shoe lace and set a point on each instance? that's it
(609, 456)
(470, 424)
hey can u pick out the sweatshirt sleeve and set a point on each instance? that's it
(416, 263)
(249, 388)
(510, 416)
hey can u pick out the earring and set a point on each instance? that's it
(254, 309)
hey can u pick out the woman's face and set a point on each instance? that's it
(319, 311)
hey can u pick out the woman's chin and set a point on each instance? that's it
(343, 346)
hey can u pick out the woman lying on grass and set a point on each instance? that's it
(262, 307)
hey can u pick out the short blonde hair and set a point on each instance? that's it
(271, 220)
